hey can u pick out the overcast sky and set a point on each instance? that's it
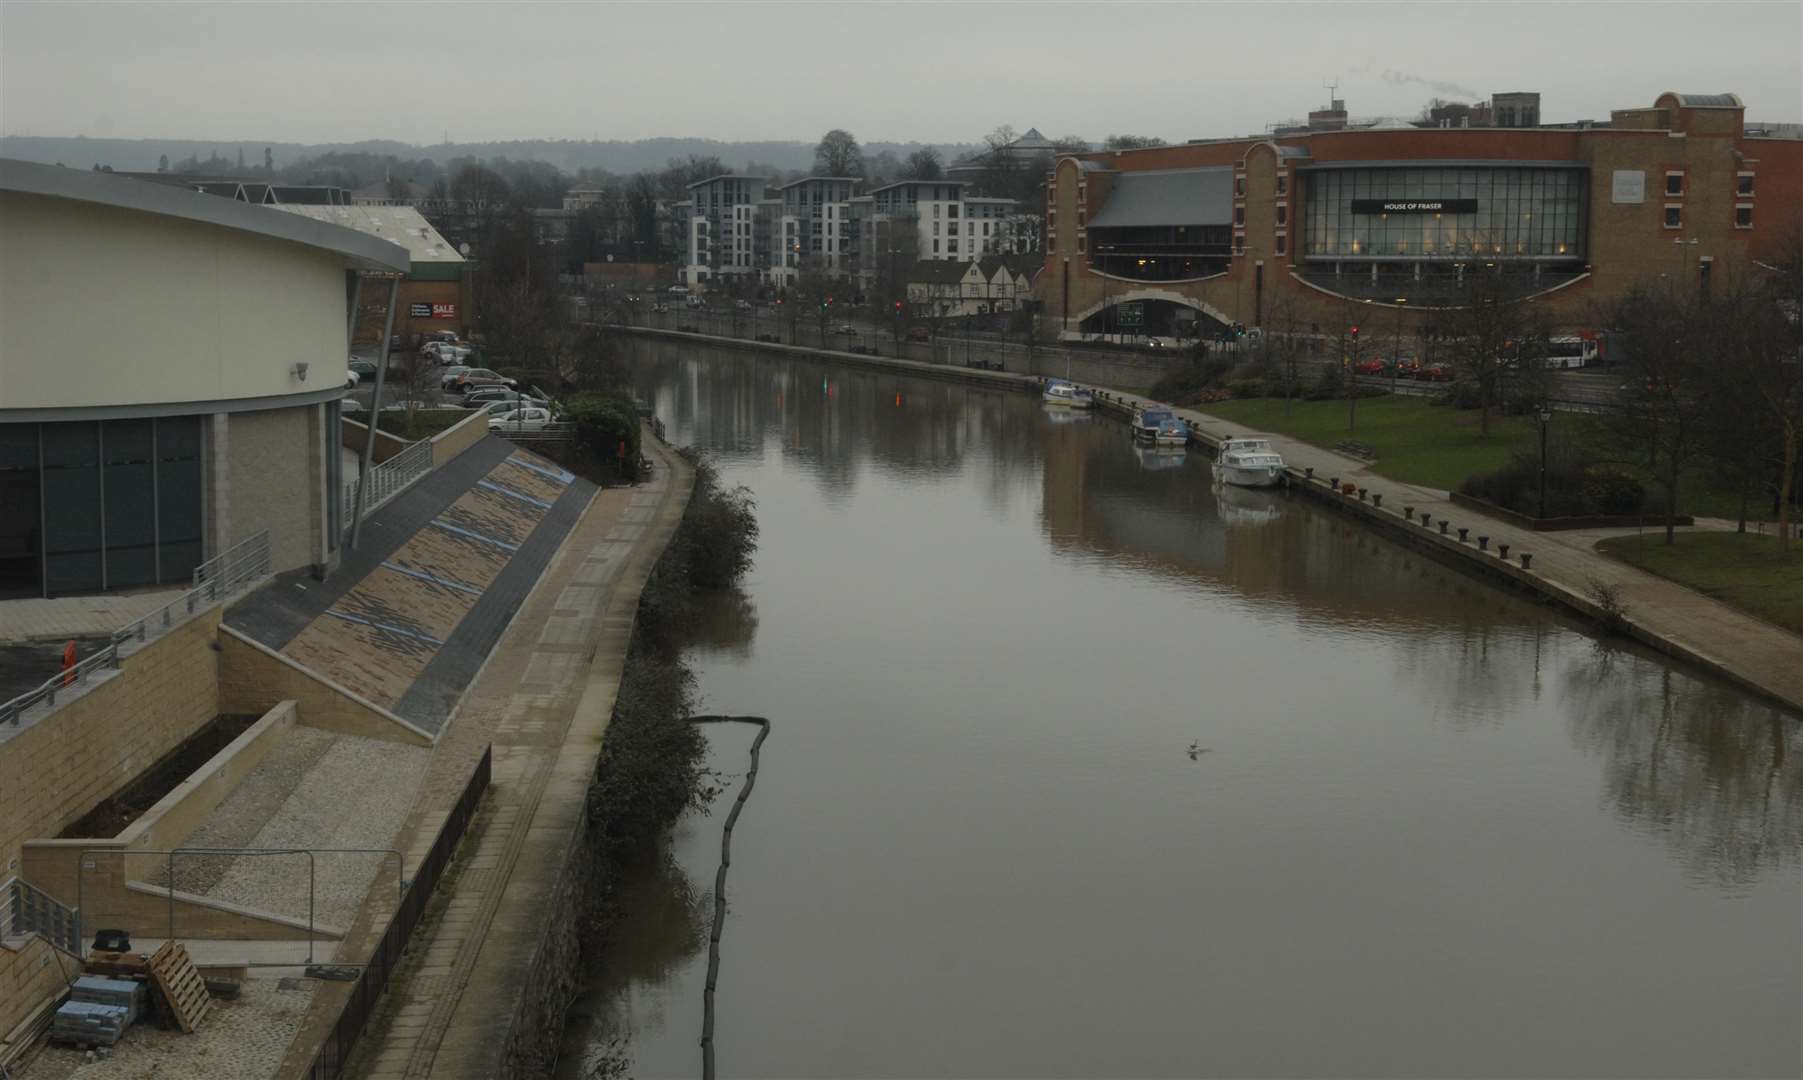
(893, 70)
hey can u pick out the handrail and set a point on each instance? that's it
(31, 910)
(388, 479)
(216, 581)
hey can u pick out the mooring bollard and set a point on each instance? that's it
(1334, 483)
(1361, 494)
(1502, 550)
(1408, 513)
(1483, 543)
(1426, 522)
(1462, 533)
(1525, 560)
(1308, 473)
(1442, 526)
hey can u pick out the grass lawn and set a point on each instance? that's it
(1416, 442)
(1742, 570)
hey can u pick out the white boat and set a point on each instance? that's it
(1160, 427)
(1249, 462)
(1059, 392)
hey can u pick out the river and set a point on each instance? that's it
(1081, 768)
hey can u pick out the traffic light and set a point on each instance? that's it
(898, 307)
(829, 301)
(1355, 333)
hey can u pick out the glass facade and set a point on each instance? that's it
(92, 505)
(1388, 214)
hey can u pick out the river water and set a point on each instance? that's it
(1080, 768)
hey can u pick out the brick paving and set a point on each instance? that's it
(543, 700)
(1756, 654)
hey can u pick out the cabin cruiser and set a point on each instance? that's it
(1153, 457)
(1248, 462)
(1161, 427)
(1059, 392)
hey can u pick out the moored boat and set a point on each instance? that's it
(1059, 392)
(1249, 462)
(1161, 427)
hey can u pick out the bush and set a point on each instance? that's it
(1461, 395)
(1572, 488)
(602, 424)
(1184, 385)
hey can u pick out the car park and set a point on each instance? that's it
(1436, 373)
(363, 369)
(452, 374)
(742, 305)
(502, 408)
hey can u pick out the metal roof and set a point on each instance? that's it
(1168, 197)
(104, 189)
(905, 183)
(402, 225)
(1709, 101)
(816, 179)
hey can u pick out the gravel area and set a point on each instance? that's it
(240, 1040)
(356, 795)
(244, 812)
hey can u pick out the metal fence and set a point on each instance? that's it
(30, 910)
(231, 572)
(550, 433)
(335, 1051)
(388, 479)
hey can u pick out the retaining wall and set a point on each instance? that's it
(459, 437)
(353, 433)
(31, 972)
(62, 764)
(253, 678)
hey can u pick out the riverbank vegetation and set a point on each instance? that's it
(1743, 570)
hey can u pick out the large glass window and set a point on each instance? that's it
(1430, 214)
(87, 506)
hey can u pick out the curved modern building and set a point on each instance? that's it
(1329, 227)
(171, 365)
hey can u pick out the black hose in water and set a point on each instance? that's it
(713, 938)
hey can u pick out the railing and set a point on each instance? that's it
(226, 575)
(549, 433)
(30, 910)
(388, 479)
(335, 1050)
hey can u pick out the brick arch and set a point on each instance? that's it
(1127, 296)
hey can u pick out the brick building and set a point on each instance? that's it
(1335, 226)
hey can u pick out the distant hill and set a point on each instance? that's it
(566, 154)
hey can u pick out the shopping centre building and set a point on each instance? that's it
(1320, 229)
(171, 369)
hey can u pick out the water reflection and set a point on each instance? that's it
(1436, 832)
(1712, 773)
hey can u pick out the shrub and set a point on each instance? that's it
(1572, 488)
(1184, 385)
(602, 423)
(1613, 491)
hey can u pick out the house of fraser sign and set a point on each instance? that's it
(1414, 206)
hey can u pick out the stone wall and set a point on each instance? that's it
(30, 973)
(454, 440)
(96, 742)
(254, 678)
(274, 481)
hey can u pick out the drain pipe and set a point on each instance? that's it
(713, 938)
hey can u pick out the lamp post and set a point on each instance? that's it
(1546, 419)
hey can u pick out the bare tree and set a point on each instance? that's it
(1488, 331)
(1132, 142)
(1775, 363)
(838, 154)
(1665, 405)
(923, 164)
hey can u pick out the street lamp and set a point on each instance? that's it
(1546, 419)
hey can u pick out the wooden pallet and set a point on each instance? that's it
(181, 984)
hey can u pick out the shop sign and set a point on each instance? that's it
(1628, 186)
(419, 311)
(1414, 206)
(444, 311)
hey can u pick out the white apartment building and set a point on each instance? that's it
(722, 230)
(740, 226)
(814, 227)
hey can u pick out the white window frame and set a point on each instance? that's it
(1679, 207)
(1738, 177)
(1669, 193)
(1748, 207)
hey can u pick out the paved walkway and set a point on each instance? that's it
(1735, 645)
(78, 616)
(543, 700)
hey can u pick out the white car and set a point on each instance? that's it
(502, 408)
(351, 379)
(520, 420)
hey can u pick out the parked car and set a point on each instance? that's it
(470, 378)
(1407, 368)
(1436, 373)
(351, 379)
(520, 420)
(452, 374)
(502, 408)
(660, 309)
(363, 369)
(847, 329)
(415, 403)
(1369, 367)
